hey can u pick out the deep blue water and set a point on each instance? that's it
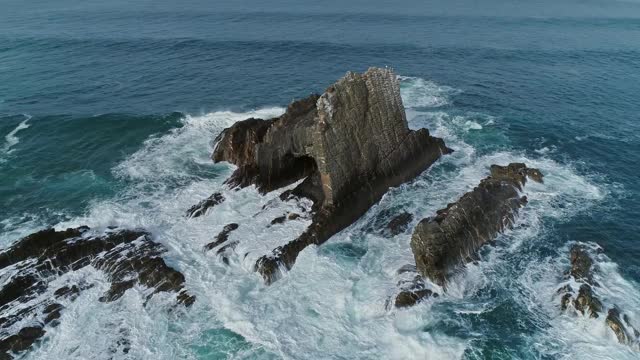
(560, 82)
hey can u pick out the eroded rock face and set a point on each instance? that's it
(127, 258)
(453, 236)
(350, 144)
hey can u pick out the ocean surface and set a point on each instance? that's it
(108, 111)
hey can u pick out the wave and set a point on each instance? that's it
(237, 316)
(421, 93)
(11, 139)
(570, 335)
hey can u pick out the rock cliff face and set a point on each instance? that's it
(453, 236)
(350, 145)
(127, 258)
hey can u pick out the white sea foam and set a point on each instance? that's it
(421, 93)
(11, 139)
(331, 304)
(570, 334)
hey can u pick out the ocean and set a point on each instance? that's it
(108, 112)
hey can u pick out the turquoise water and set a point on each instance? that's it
(108, 112)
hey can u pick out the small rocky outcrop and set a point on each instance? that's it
(581, 264)
(454, 235)
(127, 258)
(349, 144)
(412, 292)
(399, 224)
(222, 237)
(586, 302)
(203, 206)
(281, 219)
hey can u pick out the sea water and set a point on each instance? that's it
(108, 113)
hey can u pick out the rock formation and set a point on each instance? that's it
(349, 145)
(127, 258)
(586, 302)
(453, 236)
(222, 237)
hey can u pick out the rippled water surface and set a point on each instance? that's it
(108, 111)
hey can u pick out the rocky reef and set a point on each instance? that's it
(348, 146)
(453, 236)
(28, 303)
(586, 301)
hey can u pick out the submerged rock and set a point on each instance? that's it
(349, 145)
(443, 242)
(222, 236)
(203, 206)
(407, 298)
(126, 257)
(399, 223)
(615, 323)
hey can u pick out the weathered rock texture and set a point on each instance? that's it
(350, 145)
(127, 258)
(454, 235)
(586, 301)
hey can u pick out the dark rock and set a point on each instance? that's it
(127, 257)
(399, 224)
(67, 291)
(293, 216)
(408, 268)
(615, 323)
(279, 220)
(185, 298)
(581, 263)
(409, 298)
(443, 242)
(20, 341)
(53, 312)
(226, 251)
(350, 145)
(567, 294)
(222, 237)
(283, 218)
(566, 300)
(203, 206)
(587, 302)
(413, 291)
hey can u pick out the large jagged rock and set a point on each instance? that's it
(443, 242)
(350, 145)
(126, 257)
